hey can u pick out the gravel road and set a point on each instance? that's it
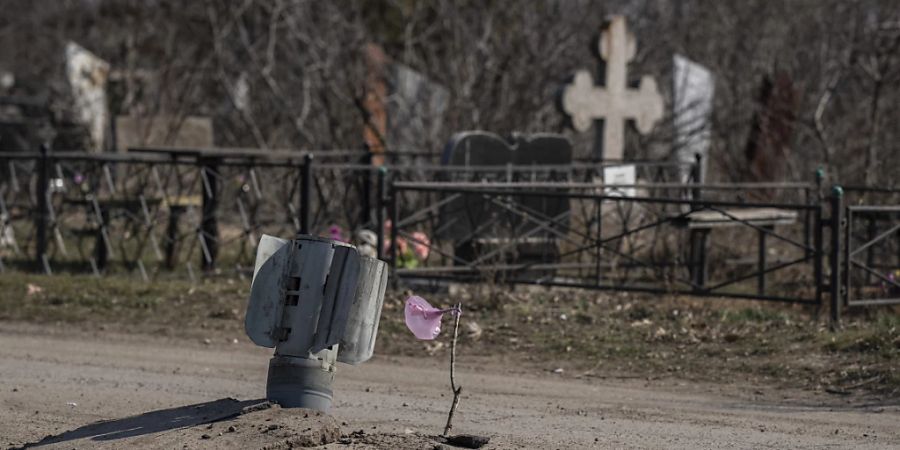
(56, 381)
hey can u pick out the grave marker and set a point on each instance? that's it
(479, 148)
(470, 219)
(403, 107)
(613, 103)
(415, 109)
(190, 131)
(87, 75)
(694, 88)
(771, 134)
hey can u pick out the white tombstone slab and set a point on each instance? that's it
(613, 103)
(416, 107)
(87, 75)
(694, 88)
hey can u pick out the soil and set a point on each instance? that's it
(71, 387)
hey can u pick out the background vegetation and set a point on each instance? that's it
(303, 68)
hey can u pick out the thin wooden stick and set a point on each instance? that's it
(456, 390)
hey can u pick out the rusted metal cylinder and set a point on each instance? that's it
(300, 383)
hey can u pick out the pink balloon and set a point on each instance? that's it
(423, 319)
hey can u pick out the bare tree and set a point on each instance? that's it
(280, 73)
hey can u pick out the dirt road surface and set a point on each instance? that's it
(55, 381)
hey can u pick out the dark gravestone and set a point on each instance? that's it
(771, 134)
(480, 224)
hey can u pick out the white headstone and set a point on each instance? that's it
(87, 75)
(416, 107)
(693, 102)
(614, 103)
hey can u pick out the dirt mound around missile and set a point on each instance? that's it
(225, 423)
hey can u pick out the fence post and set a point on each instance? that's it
(696, 174)
(599, 242)
(761, 259)
(381, 192)
(175, 212)
(699, 266)
(42, 208)
(209, 225)
(810, 219)
(819, 245)
(395, 216)
(837, 212)
(365, 194)
(305, 193)
(820, 177)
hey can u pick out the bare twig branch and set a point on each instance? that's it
(457, 390)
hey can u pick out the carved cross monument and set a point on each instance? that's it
(615, 102)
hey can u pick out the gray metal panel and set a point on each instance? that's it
(267, 247)
(310, 262)
(358, 341)
(310, 294)
(340, 288)
(266, 297)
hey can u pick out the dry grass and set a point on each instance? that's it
(587, 333)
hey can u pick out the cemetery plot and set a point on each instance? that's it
(158, 210)
(870, 246)
(472, 232)
(871, 255)
(151, 213)
(654, 244)
(497, 209)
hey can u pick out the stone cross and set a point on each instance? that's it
(615, 102)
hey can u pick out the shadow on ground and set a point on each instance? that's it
(154, 421)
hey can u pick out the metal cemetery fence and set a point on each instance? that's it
(661, 243)
(869, 245)
(161, 212)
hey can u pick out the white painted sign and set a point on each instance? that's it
(619, 175)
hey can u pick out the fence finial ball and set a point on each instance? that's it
(820, 173)
(837, 191)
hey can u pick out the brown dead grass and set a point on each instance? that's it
(585, 333)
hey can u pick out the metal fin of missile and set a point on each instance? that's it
(340, 290)
(358, 341)
(266, 296)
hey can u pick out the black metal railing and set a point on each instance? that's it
(170, 211)
(478, 231)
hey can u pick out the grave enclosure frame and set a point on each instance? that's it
(319, 184)
(868, 247)
(598, 243)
